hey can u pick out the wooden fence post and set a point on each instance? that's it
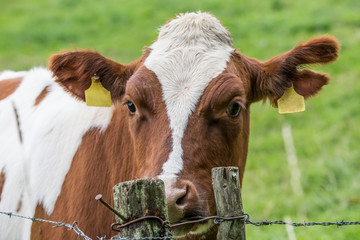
(227, 193)
(139, 198)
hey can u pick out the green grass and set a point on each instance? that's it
(326, 136)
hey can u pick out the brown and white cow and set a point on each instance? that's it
(179, 110)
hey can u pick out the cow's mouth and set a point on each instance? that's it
(181, 230)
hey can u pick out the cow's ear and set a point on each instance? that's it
(73, 70)
(280, 72)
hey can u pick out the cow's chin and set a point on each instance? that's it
(196, 231)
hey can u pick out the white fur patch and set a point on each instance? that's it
(190, 51)
(11, 74)
(52, 131)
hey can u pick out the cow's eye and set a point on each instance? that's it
(234, 109)
(131, 107)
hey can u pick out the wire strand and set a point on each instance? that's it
(217, 220)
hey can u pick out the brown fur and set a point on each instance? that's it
(2, 181)
(95, 171)
(92, 172)
(137, 145)
(213, 139)
(9, 86)
(41, 96)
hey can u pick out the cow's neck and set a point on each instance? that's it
(102, 160)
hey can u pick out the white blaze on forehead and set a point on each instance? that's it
(190, 51)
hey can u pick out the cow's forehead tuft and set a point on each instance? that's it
(193, 29)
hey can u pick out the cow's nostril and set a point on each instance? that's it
(182, 199)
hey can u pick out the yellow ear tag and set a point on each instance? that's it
(291, 102)
(96, 94)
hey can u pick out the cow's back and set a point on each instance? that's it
(41, 127)
(12, 164)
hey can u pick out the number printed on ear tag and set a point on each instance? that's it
(97, 95)
(291, 102)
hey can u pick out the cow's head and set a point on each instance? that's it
(186, 102)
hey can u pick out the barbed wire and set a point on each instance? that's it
(143, 238)
(74, 227)
(217, 220)
(246, 218)
(303, 224)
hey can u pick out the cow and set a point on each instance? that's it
(178, 111)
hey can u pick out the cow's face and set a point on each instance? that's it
(214, 133)
(186, 103)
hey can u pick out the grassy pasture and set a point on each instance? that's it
(326, 136)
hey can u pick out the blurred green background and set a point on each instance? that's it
(326, 136)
